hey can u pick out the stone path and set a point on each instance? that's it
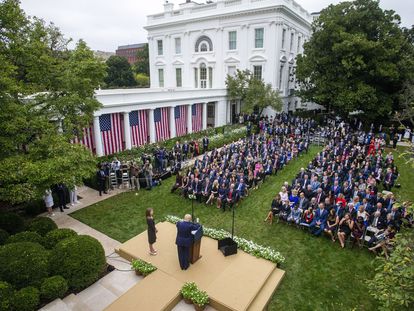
(106, 290)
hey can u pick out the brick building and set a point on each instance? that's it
(129, 51)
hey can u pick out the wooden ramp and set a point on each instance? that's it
(238, 282)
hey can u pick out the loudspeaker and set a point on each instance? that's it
(227, 246)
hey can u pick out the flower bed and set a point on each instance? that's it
(142, 267)
(248, 246)
(191, 293)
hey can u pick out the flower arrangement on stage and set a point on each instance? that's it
(142, 267)
(192, 294)
(248, 246)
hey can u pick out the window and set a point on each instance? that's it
(177, 45)
(204, 42)
(160, 47)
(178, 77)
(283, 38)
(195, 77)
(232, 40)
(210, 77)
(231, 70)
(258, 38)
(298, 48)
(203, 76)
(257, 72)
(161, 77)
(292, 38)
(281, 77)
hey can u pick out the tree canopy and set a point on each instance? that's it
(142, 64)
(253, 93)
(357, 59)
(47, 98)
(119, 72)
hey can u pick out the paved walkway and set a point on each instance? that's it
(106, 290)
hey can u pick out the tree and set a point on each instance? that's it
(119, 72)
(142, 80)
(357, 59)
(142, 64)
(252, 92)
(47, 96)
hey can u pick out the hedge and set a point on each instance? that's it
(23, 264)
(55, 236)
(25, 236)
(3, 236)
(26, 299)
(79, 259)
(11, 222)
(6, 296)
(53, 287)
(42, 225)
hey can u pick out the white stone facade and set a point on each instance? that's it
(193, 48)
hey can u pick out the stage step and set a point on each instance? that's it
(157, 291)
(262, 299)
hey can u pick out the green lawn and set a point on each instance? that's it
(406, 192)
(319, 275)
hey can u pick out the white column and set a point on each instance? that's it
(127, 131)
(204, 116)
(97, 136)
(151, 125)
(172, 122)
(228, 111)
(189, 120)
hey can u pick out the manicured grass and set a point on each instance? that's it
(319, 275)
(406, 192)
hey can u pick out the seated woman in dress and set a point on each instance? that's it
(275, 209)
(358, 231)
(213, 193)
(345, 227)
(284, 194)
(307, 217)
(331, 224)
(293, 198)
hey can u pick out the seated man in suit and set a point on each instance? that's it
(319, 221)
(184, 240)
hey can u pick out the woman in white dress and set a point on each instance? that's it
(48, 198)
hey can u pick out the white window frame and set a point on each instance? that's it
(256, 66)
(232, 43)
(231, 73)
(179, 82)
(160, 47)
(177, 47)
(161, 77)
(256, 39)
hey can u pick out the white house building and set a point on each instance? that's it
(192, 49)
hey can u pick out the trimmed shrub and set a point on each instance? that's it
(11, 222)
(23, 264)
(54, 287)
(26, 299)
(35, 208)
(79, 259)
(3, 236)
(42, 225)
(25, 236)
(6, 296)
(55, 236)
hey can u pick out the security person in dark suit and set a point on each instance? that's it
(184, 240)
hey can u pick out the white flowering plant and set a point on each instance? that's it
(248, 246)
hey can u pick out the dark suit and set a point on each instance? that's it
(320, 216)
(184, 241)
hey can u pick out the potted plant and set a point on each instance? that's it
(187, 291)
(142, 267)
(200, 300)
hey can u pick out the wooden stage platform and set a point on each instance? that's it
(238, 282)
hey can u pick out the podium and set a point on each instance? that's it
(196, 246)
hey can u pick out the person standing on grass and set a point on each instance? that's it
(152, 231)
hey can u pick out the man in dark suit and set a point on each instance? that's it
(184, 240)
(100, 178)
(321, 216)
(303, 202)
(206, 141)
